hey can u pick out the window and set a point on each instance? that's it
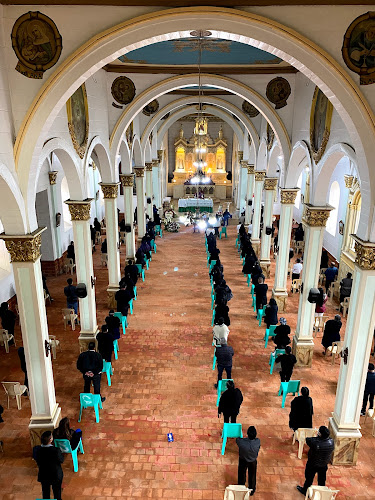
(297, 203)
(65, 195)
(334, 200)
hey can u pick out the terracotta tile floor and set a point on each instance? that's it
(163, 382)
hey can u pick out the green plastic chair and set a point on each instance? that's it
(213, 262)
(291, 387)
(248, 279)
(135, 292)
(260, 314)
(270, 332)
(88, 400)
(115, 348)
(141, 271)
(65, 447)
(237, 240)
(213, 317)
(213, 295)
(123, 320)
(273, 357)
(230, 431)
(223, 231)
(208, 258)
(221, 387)
(153, 245)
(107, 368)
(131, 306)
(147, 263)
(159, 231)
(214, 361)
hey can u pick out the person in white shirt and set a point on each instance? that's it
(238, 227)
(220, 331)
(297, 269)
(250, 229)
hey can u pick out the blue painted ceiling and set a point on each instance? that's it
(185, 51)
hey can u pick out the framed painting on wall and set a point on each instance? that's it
(320, 124)
(78, 119)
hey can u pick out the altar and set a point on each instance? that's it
(192, 204)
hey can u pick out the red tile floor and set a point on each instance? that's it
(163, 381)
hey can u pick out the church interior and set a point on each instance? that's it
(120, 118)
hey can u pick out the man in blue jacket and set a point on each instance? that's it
(369, 389)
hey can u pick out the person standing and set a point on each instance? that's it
(105, 344)
(287, 360)
(8, 318)
(318, 458)
(21, 355)
(260, 291)
(49, 460)
(331, 332)
(70, 254)
(226, 217)
(70, 292)
(123, 297)
(301, 411)
(90, 364)
(330, 275)
(346, 287)
(220, 332)
(230, 403)
(369, 389)
(248, 455)
(270, 314)
(113, 324)
(224, 355)
(296, 270)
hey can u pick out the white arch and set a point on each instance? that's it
(136, 152)
(299, 157)
(220, 82)
(105, 168)
(216, 101)
(12, 207)
(147, 150)
(273, 161)
(231, 24)
(262, 155)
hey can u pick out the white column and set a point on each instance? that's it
(314, 220)
(249, 193)
(344, 423)
(56, 230)
(160, 180)
(258, 192)
(279, 292)
(110, 192)
(149, 188)
(270, 184)
(243, 185)
(141, 217)
(127, 181)
(239, 170)
(80, 213)
(25, 256)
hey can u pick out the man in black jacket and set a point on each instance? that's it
(318, 458)
(260, 291)
(105, 344)
(132, 270)
(346, 287)
(90, 364)
(224, 355)
(70, 292)
(369, 389)
(113, 323)
(287, 360)
(123, 297)
(49, 460)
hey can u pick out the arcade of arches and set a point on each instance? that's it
(180, 109)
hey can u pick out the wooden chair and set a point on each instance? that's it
(335, 349)
(334, 289)
(300, 435)
(319, 324)
(5, 338)
(296, 285)
(54, 344)
(15, 390)
(320, 493)
(237, 492)
(69, 265)
(69, 315)
(104, 259)
(370, 413)
(345, 306)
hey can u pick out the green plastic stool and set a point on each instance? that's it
(270, 332)
(88, 400)
(230, 431)
(223, 231)
(64, 445)
(291, 387)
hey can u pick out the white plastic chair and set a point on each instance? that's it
(104, 259)
(296, 285)
(320, 493)
(237, 492)
(300, 435)
(5, 338)
(46, 297)
(122, 236)
(345, 306)
(98, 237)
(15, 390)
(54, 344)
(300, 246)
(69, 315)
(69, 265)
(319, 324)
(334, 290)
(335, 349)
(370, 413)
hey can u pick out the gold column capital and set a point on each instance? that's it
(260, 175)
(316, 216)
(160, 155)
(288, 196)
(155, 163)
(79, 210)
(148, 166)
(24, 247)
(250, 169)
(349, 179)
(52, 177)
(127, 180)
(240, 155)
(270, 183)
(139, 171)
(243, 163)
(365, 254)
(110, 189)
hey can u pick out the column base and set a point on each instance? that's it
(303, 351)
(111, 292)
(256, 246)
(281, 298)
(265, 265)
(38, 425)
(85, 338)
(346, 444)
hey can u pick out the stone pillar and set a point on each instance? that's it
(80, 213)
(270, 184)
(110, 192)
(127, 181)
(258, 191)
(314, 220)
(243, 185)
(344, 423)
(25, 256)
(149, 188)
(238, 194)
(279, 292)
(56, 230)
(141, 216)
(249, 193)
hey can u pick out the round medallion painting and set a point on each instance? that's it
(249, 109)
(278, 91)
(123, 90)
(151, 108)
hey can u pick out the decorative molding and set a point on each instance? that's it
(160, 155)
(349, 179)
(288, 196)
(52, 177)
(240, 155)
(155, 163)
(251, 169)
(24, 248)
(127, 180)
(139, 171)
(110, 191)
(148, 166)
(243, 163)
(270, 183)
(316, 216)
(79, 210)
(260, 175)
(365, 254)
